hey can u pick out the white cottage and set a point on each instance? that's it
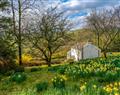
(83, 51)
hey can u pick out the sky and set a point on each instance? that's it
(77, 10)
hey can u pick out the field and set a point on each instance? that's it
(98, 76)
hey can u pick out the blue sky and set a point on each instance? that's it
(77, 10)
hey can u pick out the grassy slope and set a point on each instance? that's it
(32, 79)
(28, 86)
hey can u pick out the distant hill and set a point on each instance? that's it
(77, 36)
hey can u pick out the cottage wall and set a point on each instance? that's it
(90, 51)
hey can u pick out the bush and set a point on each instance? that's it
(61, 70)
(35, 69)
(116, 62)
(9, 73)
(41, 86)
(58, 82)
(53, 69)
(110, 76)
(7, 56)
(70, 61)
(18, 77)
(19, 69)
(26, 59)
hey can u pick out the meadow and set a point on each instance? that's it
(97, 76)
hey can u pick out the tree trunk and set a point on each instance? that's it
(105, 54)
(49, 63)
(19, 35)
(98, 40)
(13, 17)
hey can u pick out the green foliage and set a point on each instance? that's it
(58, 82)
(53, 69)
(61, 70)
(25, 92)
(42, 86)
(4, 4)
(76, 87)
(9, 73)
(19, 69)
(18, 77)
(7, 51)
(7, 56)
(95, 78)
(35, 69)
(116, 62)
(97, 67)
(111, 76)
(6, 84)
(115, 46)
(70, 61)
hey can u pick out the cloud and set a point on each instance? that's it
(77, 10)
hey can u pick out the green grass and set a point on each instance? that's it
(80, 86)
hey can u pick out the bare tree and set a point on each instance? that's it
(104, 23)
(48, 33)
(18, 7)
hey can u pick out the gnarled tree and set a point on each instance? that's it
(106, 26)
(48, 32)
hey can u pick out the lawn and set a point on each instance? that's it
(98, 76)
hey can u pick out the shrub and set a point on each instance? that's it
(19, 69)
(84, 61)
(53, 69)
(116, 62)
(7, 56)
(70, 61)
(41, 86)
(58, 82)
(9, 73)
(18, 77)
(110, 76)
(61, 70)
(35, 69)
(25, 59)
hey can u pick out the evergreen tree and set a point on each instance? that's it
(7, 52)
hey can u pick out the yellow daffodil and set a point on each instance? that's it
(115, 83)
(117, 94)
(94, 86)
(108, 89)
(82, 87)
(115, 89)
(64, 77)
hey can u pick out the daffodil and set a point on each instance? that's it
(52, 79)
(108, 89)
(82, 87)
(115, 89)
(117, 94)
(116, 84)
(94, 86)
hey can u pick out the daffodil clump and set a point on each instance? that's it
(92, 69)
(59, 82)
(88, 85)
(83, 87)
(113, 88)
